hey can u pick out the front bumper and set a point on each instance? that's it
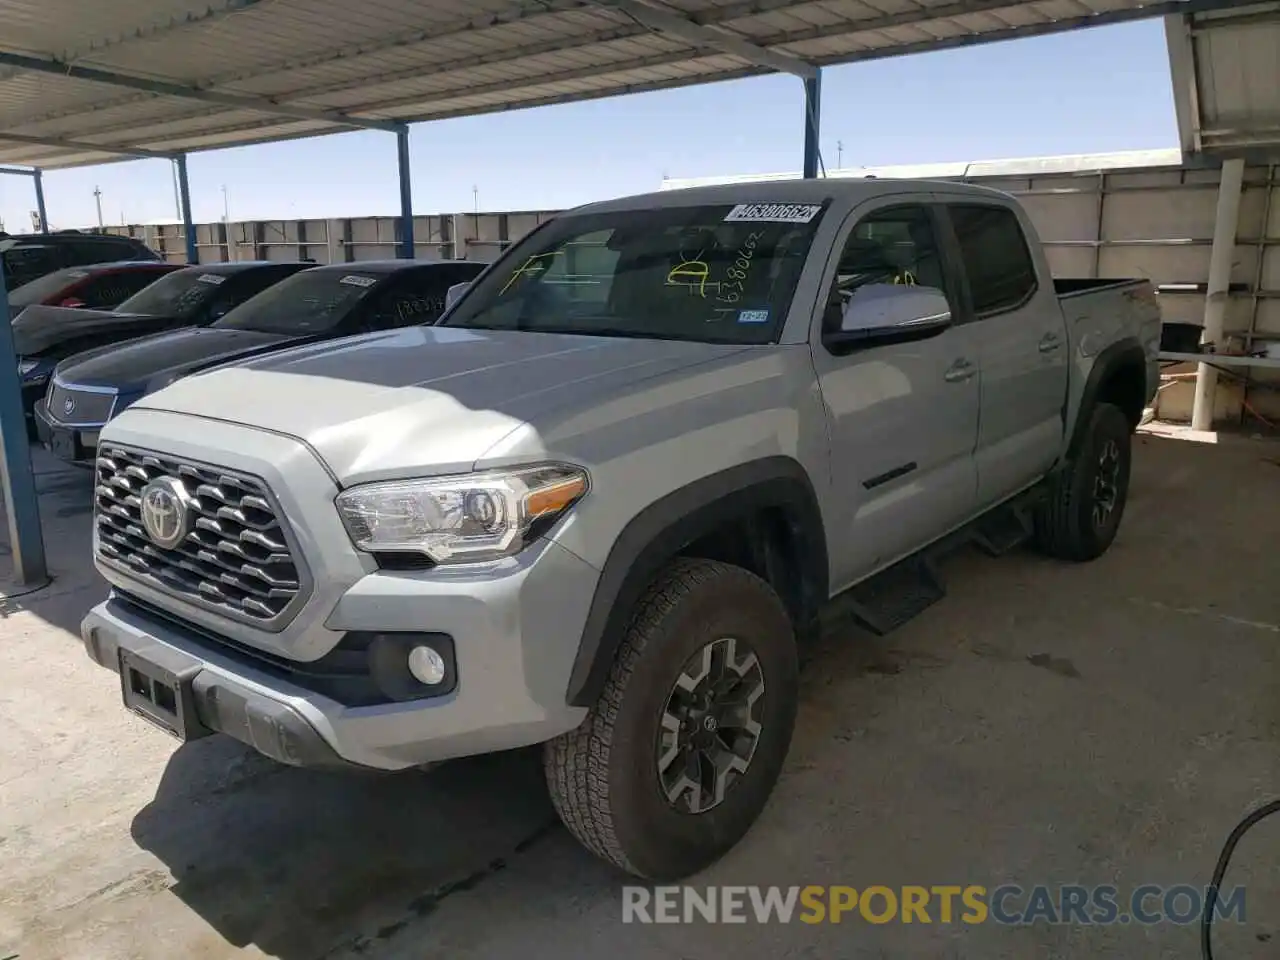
(74, 444)
(514, 631)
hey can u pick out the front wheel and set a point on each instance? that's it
(677, 758)
(1086, 499)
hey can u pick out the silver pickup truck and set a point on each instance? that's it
(600, 504)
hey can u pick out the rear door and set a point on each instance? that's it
(1021, 344)
(903, 418)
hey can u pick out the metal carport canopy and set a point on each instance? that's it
(85, 81)
(82, 81)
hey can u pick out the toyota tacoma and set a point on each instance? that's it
(604, 500)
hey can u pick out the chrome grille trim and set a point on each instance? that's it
(93, 405)
(238, 560)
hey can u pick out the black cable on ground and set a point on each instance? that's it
(1220, 872)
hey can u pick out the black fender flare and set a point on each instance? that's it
(1126, 352)
(664, 528)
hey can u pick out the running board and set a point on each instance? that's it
(1004, 529)
(890, 598)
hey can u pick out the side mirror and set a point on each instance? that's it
(454, 294)
(884, 313)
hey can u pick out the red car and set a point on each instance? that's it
(98, 286)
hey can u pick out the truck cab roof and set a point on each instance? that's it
(847, 189)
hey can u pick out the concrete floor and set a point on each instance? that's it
(1045, 723)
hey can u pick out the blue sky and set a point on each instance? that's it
(1094, 90)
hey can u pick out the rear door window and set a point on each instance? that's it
(86, 252)
(996, 258)
(26, 262)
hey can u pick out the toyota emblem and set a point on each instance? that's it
(69, 406)
(166, 512)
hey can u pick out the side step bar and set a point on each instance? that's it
(901, 592)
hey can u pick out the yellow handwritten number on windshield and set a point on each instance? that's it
(905, 277)
(534, 265)
(692, 274)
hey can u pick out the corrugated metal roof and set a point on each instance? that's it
(174, 75)
(1226, 73)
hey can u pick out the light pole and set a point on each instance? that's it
(839, 154)
(97, 198)
(226, 224)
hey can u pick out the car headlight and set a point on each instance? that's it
(26, 366)
(459, 519)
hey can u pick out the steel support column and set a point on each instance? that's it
(1217, 296)
(812, 124)
(38, 179)
(184, 195)
(406, 194)
(17, 482)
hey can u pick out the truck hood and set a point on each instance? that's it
(40, 328)
(130, 367)
(430, 400)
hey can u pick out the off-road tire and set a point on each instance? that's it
(1065, 525)
(603, 775)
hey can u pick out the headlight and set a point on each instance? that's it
(26, 366)
(478, 516)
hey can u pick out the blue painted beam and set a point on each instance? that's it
(184, 195)
(812, 124)
(406, 194)
(18, 482)
(38, 179)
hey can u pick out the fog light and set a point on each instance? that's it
(426, 665)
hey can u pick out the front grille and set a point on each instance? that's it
(69, 405)
(236, 558)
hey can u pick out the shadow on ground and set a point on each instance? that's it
(295, 861)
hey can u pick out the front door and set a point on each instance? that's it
(903, 418)
(1022, 348)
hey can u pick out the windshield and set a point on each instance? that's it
(312, 301)
(42, 289)
(723, 274)
(176, 294)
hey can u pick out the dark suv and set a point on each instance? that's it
(29, 256)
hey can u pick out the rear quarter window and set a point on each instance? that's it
(996, 258)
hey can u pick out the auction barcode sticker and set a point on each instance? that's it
(774, 212)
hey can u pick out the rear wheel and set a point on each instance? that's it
(1086, 499)
(676, 760)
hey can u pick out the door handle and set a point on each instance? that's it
(960, 371)
(1050, 342)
